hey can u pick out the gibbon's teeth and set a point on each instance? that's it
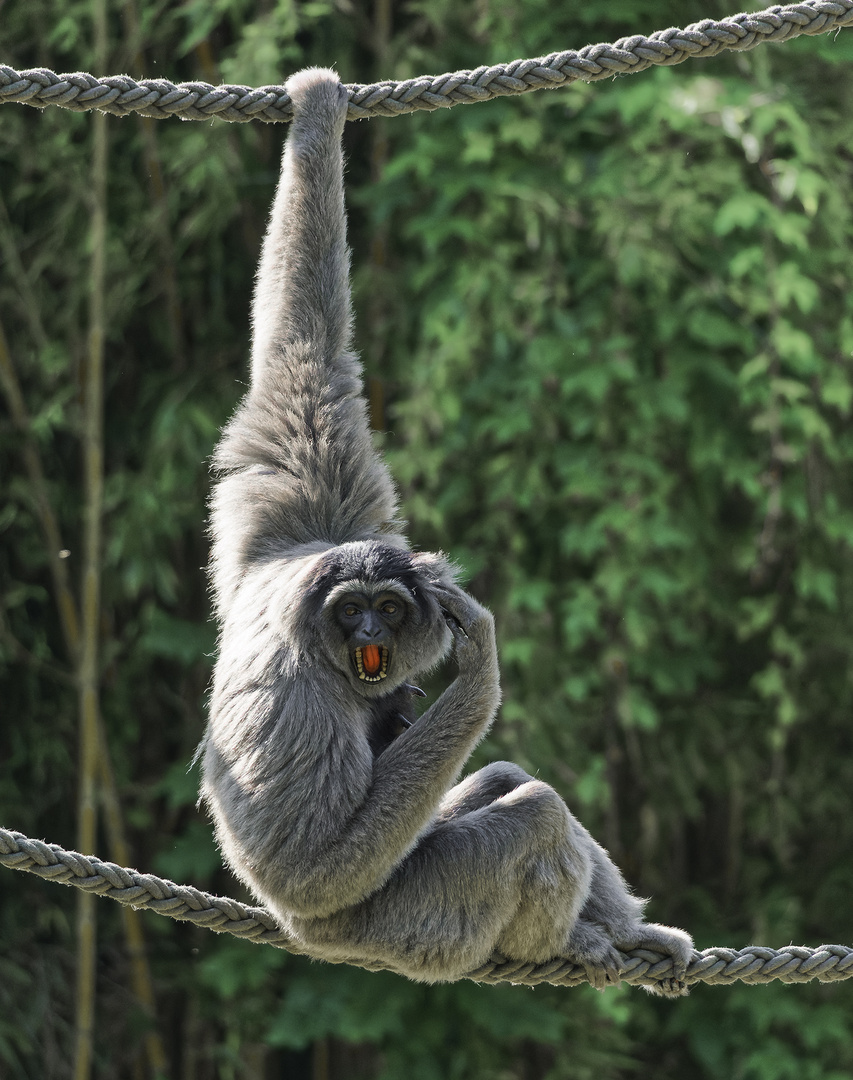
(378, 676)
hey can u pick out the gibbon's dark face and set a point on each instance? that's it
(369, 619)
(378, 615)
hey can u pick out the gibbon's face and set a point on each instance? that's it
(369, 620)
(379, 620)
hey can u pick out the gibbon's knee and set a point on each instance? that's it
(482, 788)
(503, 774)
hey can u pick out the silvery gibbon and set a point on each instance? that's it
(335, 805)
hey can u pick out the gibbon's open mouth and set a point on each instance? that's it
(371, 662)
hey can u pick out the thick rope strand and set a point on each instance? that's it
(121, 95)
(719, 966)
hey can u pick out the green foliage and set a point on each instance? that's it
(612, 328)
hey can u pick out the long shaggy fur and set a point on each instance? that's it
(354, 834)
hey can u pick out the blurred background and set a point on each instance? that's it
(608, 337)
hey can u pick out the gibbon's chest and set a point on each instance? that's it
(390, 717)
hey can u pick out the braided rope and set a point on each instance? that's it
(159, 98)
(828, 963)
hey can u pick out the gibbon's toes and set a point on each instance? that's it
(603, 971)
(670, 988)
(608, 974)
(590, 947)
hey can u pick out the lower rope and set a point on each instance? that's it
(755, 964)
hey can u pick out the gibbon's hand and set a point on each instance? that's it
(472, 625)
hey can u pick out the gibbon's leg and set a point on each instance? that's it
(612, 907)
(506, 876)
(610, 919)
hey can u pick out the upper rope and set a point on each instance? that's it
(121, 95)
(755, 964)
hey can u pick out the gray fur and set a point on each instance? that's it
(358, 840)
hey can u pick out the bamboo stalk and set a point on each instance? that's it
(157, 190)
(90, 605)
(44, 511)
(143, 986)
(140, 971)
(18, 272)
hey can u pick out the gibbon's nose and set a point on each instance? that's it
(372, 627)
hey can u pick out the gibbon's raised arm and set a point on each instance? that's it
(302, 288)
(299, 449)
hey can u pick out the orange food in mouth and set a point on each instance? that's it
(371, 662)
(371, 657)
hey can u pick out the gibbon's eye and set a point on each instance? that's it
(389, 608)
(350, 610)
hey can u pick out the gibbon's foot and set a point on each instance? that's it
(668, 941)
(590, 947)
(663, 939)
